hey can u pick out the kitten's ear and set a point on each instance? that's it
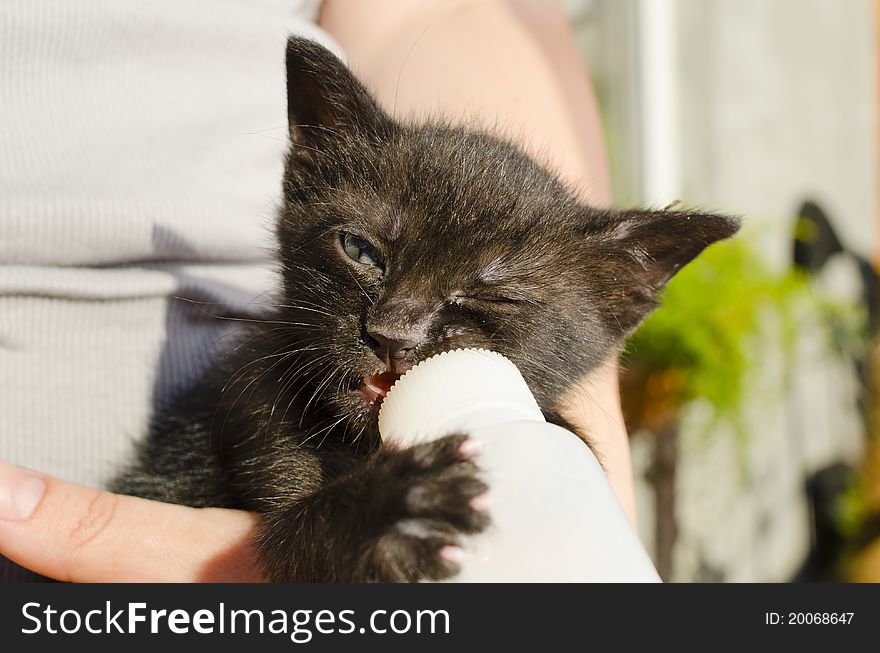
(325, 102)
(644, 249)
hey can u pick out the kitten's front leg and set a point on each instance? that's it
(388, 519)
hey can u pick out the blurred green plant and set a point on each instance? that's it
(701, 342)
(852, 508)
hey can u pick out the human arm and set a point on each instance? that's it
(507, 64)
(512, 65)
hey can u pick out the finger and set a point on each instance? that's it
(78, 534)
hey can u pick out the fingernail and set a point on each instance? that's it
(20, 492)
(470, 448)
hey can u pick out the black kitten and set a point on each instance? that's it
(398, 241)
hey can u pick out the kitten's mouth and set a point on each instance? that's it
(374, 388)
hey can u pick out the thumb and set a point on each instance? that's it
(73, 533)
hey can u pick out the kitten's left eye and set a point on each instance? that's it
(358, 249)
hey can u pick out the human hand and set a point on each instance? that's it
(77, 534)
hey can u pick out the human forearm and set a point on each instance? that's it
(511, 65)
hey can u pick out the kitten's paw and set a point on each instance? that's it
(436, 496)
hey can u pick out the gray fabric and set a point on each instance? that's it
(140, 131)
(141, 163)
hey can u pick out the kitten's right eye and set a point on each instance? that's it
(358, 249)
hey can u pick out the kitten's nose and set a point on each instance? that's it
(393, 345)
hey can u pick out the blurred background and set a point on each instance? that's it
(752, 395)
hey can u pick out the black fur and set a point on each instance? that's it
(474, 245)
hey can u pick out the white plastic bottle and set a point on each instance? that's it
(554, 516)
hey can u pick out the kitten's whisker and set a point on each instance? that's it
(275, 198)
(301, 308)
(287, 336)
(370, 299)
(326, 428)
(330, 430)
(317, 393)
(403, 65)
(296, 394)
(250, 384)
(286, 141)
(238, 373)
(198, 305)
